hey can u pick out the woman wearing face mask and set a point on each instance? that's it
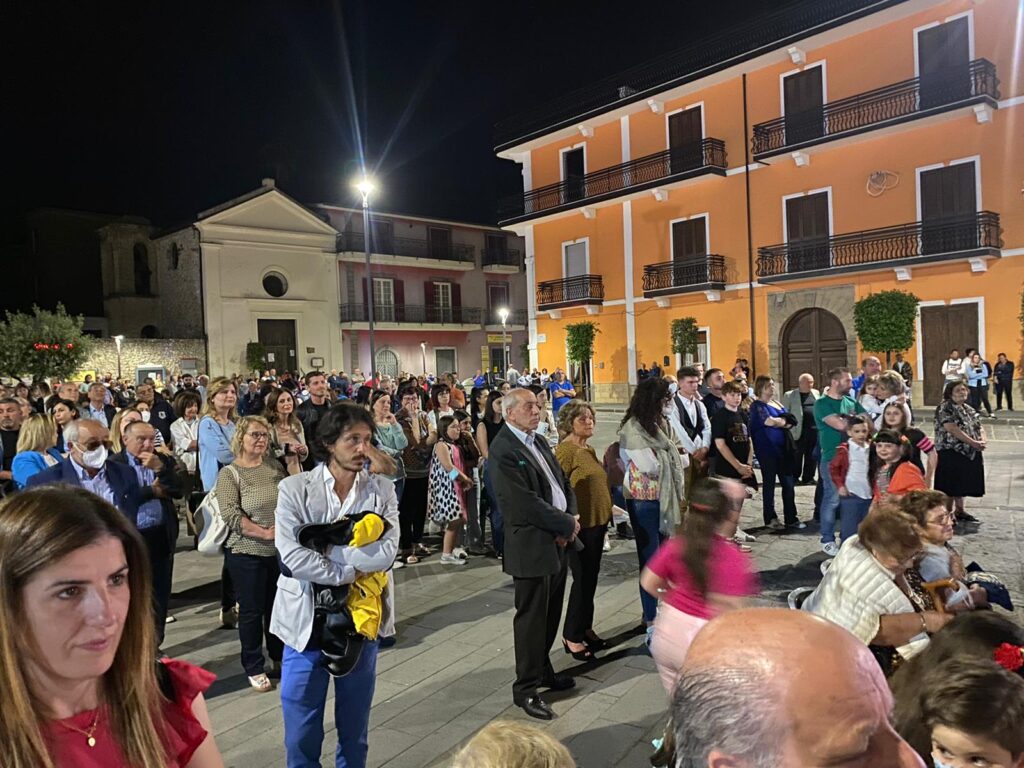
(960, 442)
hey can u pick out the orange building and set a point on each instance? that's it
(764, 180)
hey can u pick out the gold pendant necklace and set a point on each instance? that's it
(89, 738)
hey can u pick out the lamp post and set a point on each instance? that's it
(117, 340)
(503, 314)
(423, 356)
(365, 187)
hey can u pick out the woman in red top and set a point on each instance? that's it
(890, 470)
(697, 574)
(79, 685)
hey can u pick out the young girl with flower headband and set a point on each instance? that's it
(974, 709)
(698, 574)
(890, 469)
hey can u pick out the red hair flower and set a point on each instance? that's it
(1010, 656)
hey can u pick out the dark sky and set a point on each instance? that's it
(162, 109)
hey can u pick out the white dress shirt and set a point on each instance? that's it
(558, 500)
(703, 438)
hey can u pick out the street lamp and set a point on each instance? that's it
(117, 340)
(423, 355)
(366, 187)
(503, 314)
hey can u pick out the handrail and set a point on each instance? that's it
(683, 273)
(905, 98)
(412, 313)
(406, 246)
(582, 289)
(507, 257)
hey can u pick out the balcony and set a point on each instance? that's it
(408, 250)
(582, 290)
(516, 319)
(974, 238)
(894, 104)
(452, 318)
(507, 260)
(672, 165)
(685, 276)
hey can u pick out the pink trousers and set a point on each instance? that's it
(673, 633)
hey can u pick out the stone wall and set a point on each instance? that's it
(837, 299)
(137, 353)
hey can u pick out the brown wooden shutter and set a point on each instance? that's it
(399, 289)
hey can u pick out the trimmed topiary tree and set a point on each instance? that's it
(684, 336)
(43, 344)
(885, 322)
(255, 356)
(579, 344)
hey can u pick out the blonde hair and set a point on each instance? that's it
(115, 427)
(38, 432)
(39, 527)
(891, 382)
(217, 386)
(510, 744)
(243, 425)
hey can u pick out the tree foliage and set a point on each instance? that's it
(685, 335)
(579, 341)
(885, 322)
(42, 344)
(255, 356)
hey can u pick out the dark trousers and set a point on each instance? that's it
(256, 583)
(538, 614)
(979, 396)
(585, 566)
(1004, 389)
(497, 521)
(645, 517)
(852, 511)
(161, 566)
(227, 588)
(412, 512)
(772, 466)
(806, 464)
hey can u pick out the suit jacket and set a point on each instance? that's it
(170, 477)
(794, 405)
(120, 477)
(108, 410)
(524, 498)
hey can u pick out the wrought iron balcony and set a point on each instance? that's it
(406, 246)
(904, 245)
(515, 317)
(416, 314)
(700, 157)
(899, 102)
(761, 33)
(570, 291)
(501, 257)
(684, 276)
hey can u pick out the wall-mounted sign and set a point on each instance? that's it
(316, 362)
(542, 338)
(497, 338)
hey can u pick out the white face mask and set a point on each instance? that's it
(673, 388)
(96, 458)
(145, 415)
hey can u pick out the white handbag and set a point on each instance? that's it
(211, 530)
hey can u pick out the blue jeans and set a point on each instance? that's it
(771, 467)
(829, 503)
(304, 683)
(852, 511)
(645, 517)
(497, 521)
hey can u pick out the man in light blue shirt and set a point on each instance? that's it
(561, 391)
(97, 408)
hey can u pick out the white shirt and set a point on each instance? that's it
(97, 484)
(558, 500)
(362, 496)
(951, 369)
(703, 438)
(857, 473)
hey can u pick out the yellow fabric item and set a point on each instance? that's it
(364, 594)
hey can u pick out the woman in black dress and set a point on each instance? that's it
(960, 442)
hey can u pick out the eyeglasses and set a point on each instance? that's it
(942, 519)
(92, 445)
(258, 435)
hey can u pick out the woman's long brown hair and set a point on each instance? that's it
(39, 527)
(708, 509)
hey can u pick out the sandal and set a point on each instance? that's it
(411, 559)
(261, 683)
(422, 550)
(585, 655)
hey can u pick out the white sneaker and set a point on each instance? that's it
(460, 553)
(742, 535)
(607, 546)
(397, 565)
(451, 560)
(830, 548)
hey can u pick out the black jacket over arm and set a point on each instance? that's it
(524, 497)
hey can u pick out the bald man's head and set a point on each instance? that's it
(769, 687)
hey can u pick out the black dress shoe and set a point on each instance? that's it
(965, 517)
(558, 683)
(535, 706)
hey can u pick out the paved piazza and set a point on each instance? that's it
(452, 669)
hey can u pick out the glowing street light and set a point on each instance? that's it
(366, 187)
(503, 314)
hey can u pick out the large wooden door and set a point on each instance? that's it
(943, 59)
(813, 341)
(802, 95)
(948, 206)
(685, 134)
(942, 329)
(807, 232)
(573, 171)
(278, 338)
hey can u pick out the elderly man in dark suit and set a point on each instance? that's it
(540, 522)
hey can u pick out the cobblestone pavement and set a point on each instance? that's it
(452, 669)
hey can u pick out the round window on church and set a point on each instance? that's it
(275, 284)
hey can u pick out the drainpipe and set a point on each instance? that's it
(202, 303)
(750, 235)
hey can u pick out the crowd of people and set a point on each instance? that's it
(327, 484)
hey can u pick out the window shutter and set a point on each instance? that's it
(365, 311)
(399, 289)
(456, 302)
(428, 293)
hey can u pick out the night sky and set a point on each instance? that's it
(164, 109)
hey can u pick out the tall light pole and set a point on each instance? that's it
(503, 314)
(365, 187)
(423, 356)
(117, 340)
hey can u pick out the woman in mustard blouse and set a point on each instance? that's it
(594, 504)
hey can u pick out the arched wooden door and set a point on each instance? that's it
(813, 341)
